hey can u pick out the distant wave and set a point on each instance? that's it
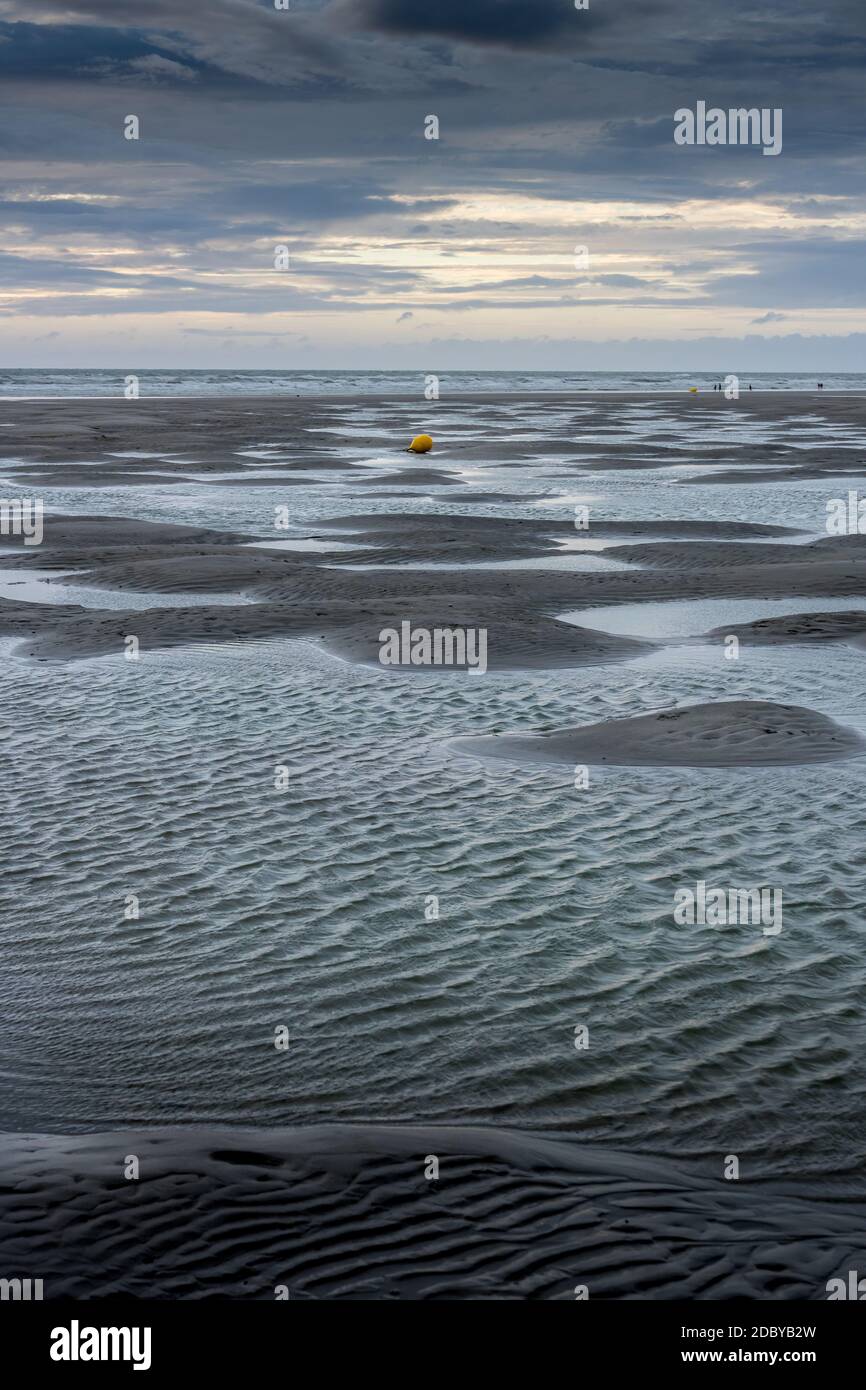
(109, 382)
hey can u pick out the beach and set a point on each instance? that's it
(229, 816)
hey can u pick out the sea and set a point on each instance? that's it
(83, 382)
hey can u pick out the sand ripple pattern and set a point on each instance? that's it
(341, 1213)
(307, 908)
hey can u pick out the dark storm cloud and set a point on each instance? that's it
(61, 51)
(242, 39)
(512, 22)
(781, 40)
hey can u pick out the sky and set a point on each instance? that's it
(554, 224)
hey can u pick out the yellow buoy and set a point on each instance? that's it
(693, 390)
(421, 444)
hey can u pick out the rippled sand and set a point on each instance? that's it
(311, 908)
(724, 733)
(377, 1212)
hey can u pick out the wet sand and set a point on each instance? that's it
(328, 599)
(346, 1212)
(732, 733)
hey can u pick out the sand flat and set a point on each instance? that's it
(730, 733)
(792, 628)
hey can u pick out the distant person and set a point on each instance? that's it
(820, 386)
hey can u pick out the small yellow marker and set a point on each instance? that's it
(693, 390)
(421, 444)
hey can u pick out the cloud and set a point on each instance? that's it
(306, 126)
(505, 22)
(62, 51)
(827, 272)
(622, 281)
(794, 352)
(154, 66)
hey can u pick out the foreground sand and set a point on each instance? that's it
(338, 1211)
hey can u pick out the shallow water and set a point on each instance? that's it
(306, 908)
(659, 622)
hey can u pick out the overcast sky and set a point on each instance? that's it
(305, 128)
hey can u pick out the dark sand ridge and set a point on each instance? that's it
(463, 546)
(822, 465)
(521, 498)
(408, 477)
(344, 1211)
(797, 628)
(349, 629)
(346, 610)
(95, 533)
(437, 538)
(290, 576)
(690, 555)
(468, 498)
(729, 733)
(77, 478)
(419, 525)
(751, 461)
(95, 475)
(312, 596)
(745, 475)
(93, 541)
